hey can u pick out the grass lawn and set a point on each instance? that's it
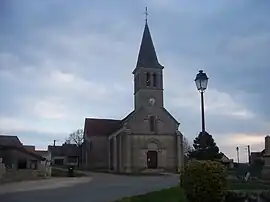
(176, 194)
(56, 172)
(237, 185)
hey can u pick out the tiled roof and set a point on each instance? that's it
(103, 127)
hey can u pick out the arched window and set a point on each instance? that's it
(152, 123)
(154, 80)
(148, 79)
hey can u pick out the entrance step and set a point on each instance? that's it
(153, 171)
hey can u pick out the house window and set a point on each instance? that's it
(59, 161)
(72, 159)
(33, 164)
(148, 79)
(22, 164)
(154, 80)
(152, 121)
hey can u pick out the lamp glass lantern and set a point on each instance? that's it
(201, 81)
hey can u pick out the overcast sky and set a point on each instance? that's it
(64, 60)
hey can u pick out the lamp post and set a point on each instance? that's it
(237, 152)
(248, 153)
(201, 81)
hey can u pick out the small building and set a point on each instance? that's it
(20, 158)
(227, 161)
(66, 154)
(44, 153)
(256, 157)
(16, 157)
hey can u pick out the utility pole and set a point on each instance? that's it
(248, 147)
(237, 151)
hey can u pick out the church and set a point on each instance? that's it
(147, 139)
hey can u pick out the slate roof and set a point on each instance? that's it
(8, 140)
(147, 55)
(23, 150)
(64, 150)
(41, 152)
(258, 154)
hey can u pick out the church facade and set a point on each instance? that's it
(147, 139)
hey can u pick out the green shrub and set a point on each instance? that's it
(204, 181)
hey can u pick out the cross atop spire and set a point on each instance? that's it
(146, 14)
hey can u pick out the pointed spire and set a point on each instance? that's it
(147, 55)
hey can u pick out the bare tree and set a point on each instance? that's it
(187, 147)
(76, 137)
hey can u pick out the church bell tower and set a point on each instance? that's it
(148, 74)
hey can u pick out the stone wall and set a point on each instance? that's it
(96, 153)
(166, 149)
(14, 175)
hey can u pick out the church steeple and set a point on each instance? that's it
(148, 74)
(147, 57)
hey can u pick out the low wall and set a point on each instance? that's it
(2, 170)
(12, 175)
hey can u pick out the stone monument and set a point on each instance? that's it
(266, 158)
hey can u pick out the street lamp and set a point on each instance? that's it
(248, 153)
(237, 152)
(201, 81)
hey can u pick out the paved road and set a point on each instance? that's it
(97, 188)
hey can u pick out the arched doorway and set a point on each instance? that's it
(152, 153)
(152, 159)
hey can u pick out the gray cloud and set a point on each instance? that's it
(62, 61)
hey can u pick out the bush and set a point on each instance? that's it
(204, 181)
